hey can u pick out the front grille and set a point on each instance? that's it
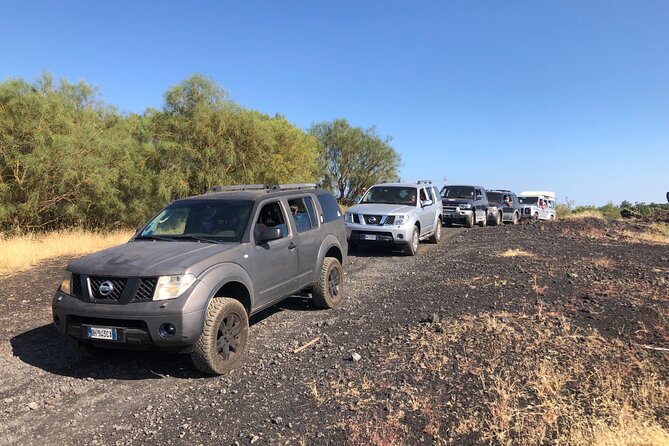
(356, 218)
(116, 290)
(146, 288)
(76, 285)
(527, 210)
(390, 220)
(450, 209)
(372, 219)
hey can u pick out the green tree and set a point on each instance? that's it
(354, 158)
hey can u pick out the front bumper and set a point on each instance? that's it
(137, 324)
(457, 214)
(379, 235)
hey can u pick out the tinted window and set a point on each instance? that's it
(330, 207)
(495, 197)
(458, 192)
(302, 211)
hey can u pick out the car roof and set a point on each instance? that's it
(253, 194)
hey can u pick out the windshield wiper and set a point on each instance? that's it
(198, 238)
(154, 237)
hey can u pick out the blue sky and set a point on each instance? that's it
(570, 96)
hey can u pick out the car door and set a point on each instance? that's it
(426, 216)
(307, 236)
(275, 262)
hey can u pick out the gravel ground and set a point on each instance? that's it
(359, 382)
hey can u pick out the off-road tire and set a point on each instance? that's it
(484, 221)
(515, 218)
(469, 221)
(498, 219)
(437, 233)
(535, 217)
(226, 320)
(412, 247)
(329, 289)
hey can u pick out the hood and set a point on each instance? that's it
(380, 209)
(150, 258)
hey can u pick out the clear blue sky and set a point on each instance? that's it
(570, 96)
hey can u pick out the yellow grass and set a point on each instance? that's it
(516, 253)
(657, 233)
(584, 214)
(22, 252)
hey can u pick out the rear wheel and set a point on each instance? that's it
(329, 290)
(224, 337)
(412, 248)
(437, 233)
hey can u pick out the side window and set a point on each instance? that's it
(270, 216)
(423, 195)
(330, 207)
(302, 211)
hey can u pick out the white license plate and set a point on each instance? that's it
(102, 333)
(369, 237)
(450, 214)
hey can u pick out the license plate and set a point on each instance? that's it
(450, 214)
(108, 334)
(368, 237)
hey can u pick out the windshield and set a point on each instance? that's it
(466, 192)
(495, 197)
(391, 195)
(207, 220)
(529, 200)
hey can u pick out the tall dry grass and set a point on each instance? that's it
(21, 252)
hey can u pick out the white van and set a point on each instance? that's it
(538, 205)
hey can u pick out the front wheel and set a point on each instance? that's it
(469, 222)
(412, 249)
(329, 290)
(498, 219)
(484, 220)
(514, 220)
(535, 217)
(224, 337)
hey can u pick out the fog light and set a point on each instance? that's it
(167, 330)
(400, 236)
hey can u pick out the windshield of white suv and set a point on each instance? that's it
(391, 195)
(529, 200)
(466, 192)
(213, 221)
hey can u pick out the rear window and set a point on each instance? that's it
(330, 207)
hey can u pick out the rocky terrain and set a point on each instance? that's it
(532, 334)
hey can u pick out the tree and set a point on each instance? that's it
(354, 158)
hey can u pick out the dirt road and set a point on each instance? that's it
(321, 395)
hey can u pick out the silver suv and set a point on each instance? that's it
(189, 280)
(396, 214)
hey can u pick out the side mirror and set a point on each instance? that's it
(269, 234)
(427, 203)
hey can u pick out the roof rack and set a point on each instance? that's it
(267, 187)
(293, 186)
(395, 180)
(424, 182)
(237, 188)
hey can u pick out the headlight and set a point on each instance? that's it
(348, 217)
(401, 219)
(65, 283)
(171, 287)
(465, 206)
(493, 208)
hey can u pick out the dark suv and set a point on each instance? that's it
(503, 207)
(464, 204)
(191, 277)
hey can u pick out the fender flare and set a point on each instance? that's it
(217, 276)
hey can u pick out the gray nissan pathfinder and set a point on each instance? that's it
(189, 280)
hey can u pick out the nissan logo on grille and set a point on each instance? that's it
(106, 288)
(372, 219)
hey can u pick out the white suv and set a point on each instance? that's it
(396, 214)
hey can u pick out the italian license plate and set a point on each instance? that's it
(108, 334)
(369, 237)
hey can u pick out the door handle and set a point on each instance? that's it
(292, 246)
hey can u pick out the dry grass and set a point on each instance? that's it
(585, 214)
(603, 262)
(656, 233)
(22, 252)
(516, 253)
(511, 379)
